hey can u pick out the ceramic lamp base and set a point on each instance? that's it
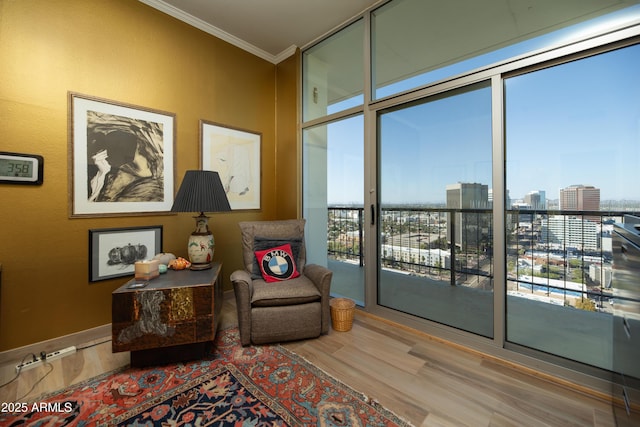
(201, 245)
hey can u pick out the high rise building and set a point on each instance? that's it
(568, 232)
(537, 200)
(469, 227)
(464, 195)
(581, 198)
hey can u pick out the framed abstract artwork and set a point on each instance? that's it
(113, 252)
(121, 157)
(235, 154)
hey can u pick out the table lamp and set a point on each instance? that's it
(201, 191)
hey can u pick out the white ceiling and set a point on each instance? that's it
(270, 29)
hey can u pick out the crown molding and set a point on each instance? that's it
(285, 54)
(217, 32)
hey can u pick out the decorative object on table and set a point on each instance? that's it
(266, 385)
(146, 270)
(122, 158)
(113, 252)
(342, 311)
(293, 309)
(201, 191)
(235, 155)
(180, 264)
(164, 257)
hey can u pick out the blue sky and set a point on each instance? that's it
(578, 123)
(590, 112)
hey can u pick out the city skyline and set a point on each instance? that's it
(522, 201)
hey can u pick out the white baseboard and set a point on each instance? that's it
(77, 339)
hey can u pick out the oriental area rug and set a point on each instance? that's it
(237, 386)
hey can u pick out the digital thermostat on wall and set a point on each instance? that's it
(18, 168)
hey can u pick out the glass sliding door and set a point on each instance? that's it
(435, 222)
(427, 117)
(333, 159)
(573, 145)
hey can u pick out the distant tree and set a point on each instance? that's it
(555, 272)
(575, 263)
(585, 304)
(577, 275)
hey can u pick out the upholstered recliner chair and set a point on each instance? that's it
(280, 310)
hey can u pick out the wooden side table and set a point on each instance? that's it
(173, 318)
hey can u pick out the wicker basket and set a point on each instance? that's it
(342, 310)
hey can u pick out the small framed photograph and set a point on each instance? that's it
(235, 154)
(113, 252)
(121, 157)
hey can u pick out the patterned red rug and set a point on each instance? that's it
(241, 387)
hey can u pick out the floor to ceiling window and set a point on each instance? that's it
(333, 158)
(333, 204)
(435, 238)
(496, 148)
(573, 149)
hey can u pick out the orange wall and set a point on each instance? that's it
(287, 161)
(124, 51)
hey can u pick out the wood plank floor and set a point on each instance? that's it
(426, 381)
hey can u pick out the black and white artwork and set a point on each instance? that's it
(113, 252)
(122, 159)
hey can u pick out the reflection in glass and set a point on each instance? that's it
(332, 73)
(333, 159)
(572, 164)
(418, 42)
(435, 228)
